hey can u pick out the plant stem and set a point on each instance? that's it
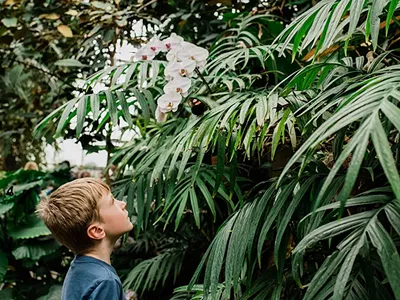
(203, 79)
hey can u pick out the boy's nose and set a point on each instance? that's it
(123, 204)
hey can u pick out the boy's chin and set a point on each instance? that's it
(130, 227)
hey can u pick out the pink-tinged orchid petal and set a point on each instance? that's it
(156, 46)
(172, 42)
(145, 53)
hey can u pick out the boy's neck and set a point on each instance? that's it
(103, 250)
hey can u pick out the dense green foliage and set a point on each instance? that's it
(31, 261)
(46, 45)
(287, 187)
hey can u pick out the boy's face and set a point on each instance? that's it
(114, 216)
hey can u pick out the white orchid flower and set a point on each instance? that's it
(193, 52)
(180, 69)
(173, 42)
(169, 102)
(160, 116)
(178, 85)
(156, 45)
(145, 53)
(173, 55)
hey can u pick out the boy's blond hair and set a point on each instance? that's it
(69, 211)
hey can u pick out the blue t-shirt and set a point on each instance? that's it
(89, 278)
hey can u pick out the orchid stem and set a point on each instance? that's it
(203, 79)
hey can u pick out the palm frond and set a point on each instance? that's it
(357, 229)
(172, 200)
(369, 104)
(331, 21)
(253, 221)
(197, 293)
(150, 273)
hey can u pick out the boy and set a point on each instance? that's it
(84, 216)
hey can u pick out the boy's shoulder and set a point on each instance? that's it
(87, 277)
(92, 268)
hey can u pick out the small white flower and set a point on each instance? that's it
(160, 116)
(178, 85)
(145, 53)
(180, 69)
(193, 52)
(169, 102)
(172, 42)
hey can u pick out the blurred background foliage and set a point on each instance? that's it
(31, 261)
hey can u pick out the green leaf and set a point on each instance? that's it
(325, 271)
(278, 132)
(334, 228)
(385, 156)
(353, 170)
(81, 114)
(5, 207)
(280, 200)
(9, 22)
(143, 105)
(376, 10)
(195, 206)
(39, 127)
(346, 268)
(95, 106)
(182, 206)
(35, 250)
(69, 62)
(131, 69)
(392, 7)
(33, 227)
(289, 213)
(244, 110)
(261, 110)
(388, 253)
(125, 108)
(207, 196)
(67, 111)
(147, 275)
(117, 74)
(220, 161)
(112, 107)
(300, 33)
(393, 214)
(216, 256)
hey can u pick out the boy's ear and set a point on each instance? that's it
(96, 232)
